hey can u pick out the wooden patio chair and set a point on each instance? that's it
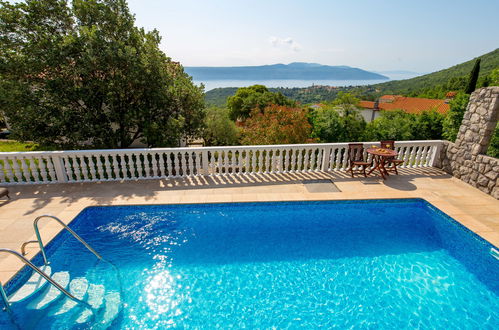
(391, 162)
(356, 159)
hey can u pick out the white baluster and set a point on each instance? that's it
(108, 167)
(239, 161)
(9, 170)
(138, 161)
(312, 160)
(43, 168)
(84, 168)
(148, 165)
(306, 160)
(15, 168)
(51, 169)
(247, 161)
(34, 169)
(2, 174)
(260, 161)
(92, 168)
(191, 163)
(419, 153)
(168, 157)
(292, 155)
(344, 156)
(116, 167)
(407, 156)
(99, 168)
(177, 163)
(154, 164)
(25, 170)
(76, 168)
(425, 158)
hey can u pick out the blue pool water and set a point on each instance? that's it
(346, 264)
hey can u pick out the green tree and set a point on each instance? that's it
(85, 75)
(472, 80)
(454, 117)
(493, 149)
(428, 126)
(327, 125)
(219, 129)
(391, 125)
(257, 96)
(276, 125)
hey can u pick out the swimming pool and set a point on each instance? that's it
(368, 264)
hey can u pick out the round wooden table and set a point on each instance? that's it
(380, 155)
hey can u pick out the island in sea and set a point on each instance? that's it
(296, 70)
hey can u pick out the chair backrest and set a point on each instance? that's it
(388, 144)
(355, 152)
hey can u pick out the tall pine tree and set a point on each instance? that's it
(470, 88)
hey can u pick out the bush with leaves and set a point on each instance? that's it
(333, 124)
(391, 125)
(276, 124)
(454, 117)
(219, 129)
(428, 126)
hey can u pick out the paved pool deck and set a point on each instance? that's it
(471, 207)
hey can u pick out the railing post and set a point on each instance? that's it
(205, 161)
(435, 154)
(59, 168)
(325, 159)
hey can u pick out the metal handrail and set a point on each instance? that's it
(43, 274)
(37, 232)
(23, 246)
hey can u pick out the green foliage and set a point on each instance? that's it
(428, 126)
(493, 150)
(219, 129)
(391, 125)
(472, 80)
(257, 96)
(276, 125)
(86, 76)
(455, 116)
(331, 124)
(494, 77)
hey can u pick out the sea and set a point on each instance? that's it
(290, 83)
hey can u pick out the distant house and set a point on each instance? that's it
(371, 110)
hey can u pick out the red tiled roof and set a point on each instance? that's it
(408, 104)
(366, 104)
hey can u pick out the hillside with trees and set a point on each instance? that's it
(433, 85)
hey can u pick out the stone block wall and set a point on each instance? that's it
(466, 158)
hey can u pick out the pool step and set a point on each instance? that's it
(95, 298)
(78, 288)
(35, 283)
(51, 293)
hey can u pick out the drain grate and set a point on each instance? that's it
(320, 186)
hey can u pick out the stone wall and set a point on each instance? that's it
(465, 159)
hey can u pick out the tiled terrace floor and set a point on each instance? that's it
(474, 209)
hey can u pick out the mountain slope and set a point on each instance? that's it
(297, 70)
(489, 62)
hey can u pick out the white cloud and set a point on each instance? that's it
(285, 43)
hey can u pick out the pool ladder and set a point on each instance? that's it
(21, 257)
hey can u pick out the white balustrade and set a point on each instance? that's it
(132, 164)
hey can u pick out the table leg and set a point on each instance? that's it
(378, 164)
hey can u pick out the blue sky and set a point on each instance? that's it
(421, 36)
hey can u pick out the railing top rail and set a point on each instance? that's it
(189, 149)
